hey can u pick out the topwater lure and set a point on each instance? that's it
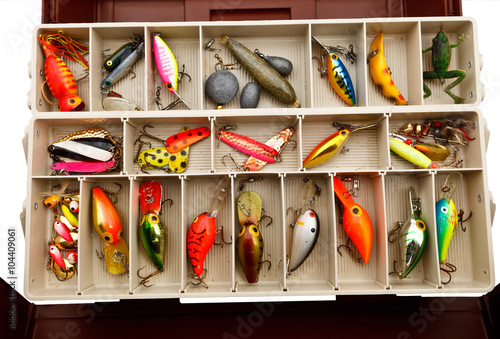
(411, 238)
(356, 221)
(278, 142)
(167, 66)
(108, 225)
(441, 58)
(306, 228)
(59, 78)
(331, 146)
(446, 214)
(249, 146)
(124, 66)
(201, 234)
(380, 73)
(265, 75)
(152, 231)
(250, 244)
(339, 77)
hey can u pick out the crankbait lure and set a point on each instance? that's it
(59, 78)
(250, 244)
(179, 141)
(167, 66)
(441, 58)
(409, 153)
(356, 221)
(380, 73)
(278, 142)
(119, 55)
(339, 77)
(306, 228)
(331, 146)
(124, 67)
(201, 234)
(412, 237)
(152, 231)
(446, 214)
(249, 146)
(280, 64)
(266, 76)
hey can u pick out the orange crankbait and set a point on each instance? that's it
(58, 76)
(356, 221)
(107, 219)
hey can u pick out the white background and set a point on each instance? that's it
(19, 18)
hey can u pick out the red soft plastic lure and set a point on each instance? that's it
(179, 141)
(249, 146)
(356, 221)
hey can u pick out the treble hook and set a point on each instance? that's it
(143, 132)
(450, 268)
(322, 70)
(266, 261)
(394, 231)
(200, 279)
(351, 251)
(181, 74)
(265, 217)
(461, 219)
(238, 167)
(145, 280)
(221, 231)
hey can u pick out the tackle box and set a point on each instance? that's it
(381, 178)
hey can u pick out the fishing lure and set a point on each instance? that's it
(278, 142)
(250, 244)
(249, 146)
(59, 78)
(72, 257)
(412, 237)
(409, 153)
(152, 231)
(331, 146)
(107, 220)
(446, 214)
(266, 76)
(356, 221)
(167, 66)
(179, 141)
(63, 195)
(72, 219)
(62, 244)
(380, 73)
(111, 62)
(280, 64)
(62, 230)
(201, 234)
(119, 104)
(124, 67)
(435, 152)
(339, 77)
(61, 267)
(84, 167)
(441, 58)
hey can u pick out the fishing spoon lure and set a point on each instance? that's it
(249, 146)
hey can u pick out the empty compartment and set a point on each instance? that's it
(47, 131)
(270, 277)
(79, 71)
(343, 36)
(470, 250)
(167, 282)
(95, 279)
(461, 58)
(365, 149)
(466, 154)
(425, 275)
(401, 46)
(290, 41)
(184, 42)
(317, 274)
(261, 129)
(153, 148)
(42, 282)
(354, 276)
(218, 264)
(106, 41)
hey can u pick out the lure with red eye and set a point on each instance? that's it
(356, 221)
(57, 256)
(200, 238)
(305, 236)
(179, 141)
(107, 219)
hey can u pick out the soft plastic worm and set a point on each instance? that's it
(249, 146)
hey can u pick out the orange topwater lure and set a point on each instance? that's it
(356, 221)
(61, 81)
